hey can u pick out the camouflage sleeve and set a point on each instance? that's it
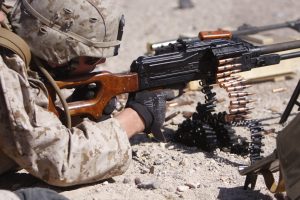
(37, 141)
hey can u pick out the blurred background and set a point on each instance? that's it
(159, 20)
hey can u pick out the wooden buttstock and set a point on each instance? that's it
(109, 84)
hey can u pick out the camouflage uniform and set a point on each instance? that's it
(35, 139)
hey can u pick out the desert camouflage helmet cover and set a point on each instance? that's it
(60, 30)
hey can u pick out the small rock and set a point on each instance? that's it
(191, 185)
(185, 4)
(126, 180)
(151, 170)
(158, 162)
(137, 181)
(175, 158)
(98, 190)
(223, 179)
(105, 183)
(160, 155)
(182, 188)
(273, 109)
(183, 162)
(192, 85)
(171, 147)
(171, 189)
(149, 185)
(146, 153)
(144, 171)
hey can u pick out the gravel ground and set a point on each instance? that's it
(171, 170)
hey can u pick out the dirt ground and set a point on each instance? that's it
(171, 170)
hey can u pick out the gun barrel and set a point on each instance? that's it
(240, 32)
(290, 55)
(273, 48)
(254, 30)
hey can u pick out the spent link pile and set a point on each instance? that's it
(209, 130)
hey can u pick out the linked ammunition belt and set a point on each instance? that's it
(209, 130)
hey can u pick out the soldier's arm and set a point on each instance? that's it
(37, 141)
(131, 122)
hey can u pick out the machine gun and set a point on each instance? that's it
(211, 59)
(178, 63)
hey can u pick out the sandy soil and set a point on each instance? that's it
(169, 167)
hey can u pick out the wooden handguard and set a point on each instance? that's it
(109, 84)
(210, 35)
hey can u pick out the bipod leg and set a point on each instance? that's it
(250, 180)
(293, 101)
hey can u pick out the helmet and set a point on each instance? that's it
(59, 30)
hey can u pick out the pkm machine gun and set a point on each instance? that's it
(178, 63)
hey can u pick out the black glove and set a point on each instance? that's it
(151, 107)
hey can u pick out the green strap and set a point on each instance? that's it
(16, 44)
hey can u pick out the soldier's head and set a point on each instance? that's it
(69, 32)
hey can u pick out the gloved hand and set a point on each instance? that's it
(151, 107)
